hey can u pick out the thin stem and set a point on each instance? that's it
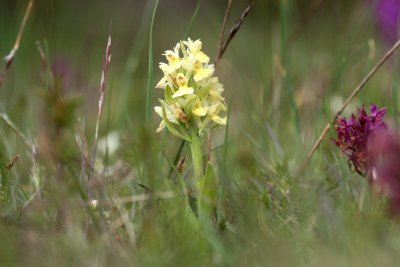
(103, 81)
(234, 29)
(11, 125)
(149, 94)
(10, 57)
(197, 158)
(222, 33)
(360, 86)
(195, 147)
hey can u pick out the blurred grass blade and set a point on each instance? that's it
(207, 193)
(149, 95)
(133, 58)
(192, 21)
(14, 128)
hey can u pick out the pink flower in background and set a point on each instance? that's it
(386, 170)
(373, 151)
(63, 72)
(387, 14)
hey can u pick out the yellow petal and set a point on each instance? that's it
(203, 73)
(193, 46)
(176, 48)
(162, 83)
(164, 67)
(214, 108)
(199, 110)
(203, 58)
(188, 63)
(183, 91)
(213, 94)
(158, 110)
(160, 127)
(174, 65)
(218, 119)
(171, 56)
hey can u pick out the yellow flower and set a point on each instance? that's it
(195, 48)
(202, 72)
(192, 96)
(200, 109)
(181, 79)
(183, 91)
(168, 75)
(173, 57)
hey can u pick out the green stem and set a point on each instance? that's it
(195, 147)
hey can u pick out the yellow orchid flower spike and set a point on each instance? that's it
(193, 97)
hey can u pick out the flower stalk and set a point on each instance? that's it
(193, 104)
(197, 158)
(195, 147)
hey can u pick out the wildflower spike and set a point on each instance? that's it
(193, 97)
(354, 133)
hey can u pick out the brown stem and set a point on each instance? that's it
(222, 46)
(10, 57)
(234, 29)
(222, 33)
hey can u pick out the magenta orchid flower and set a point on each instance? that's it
(353, 135)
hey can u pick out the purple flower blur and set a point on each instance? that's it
(373, 150)
(388, 18)
(386, 170)
(353, 135)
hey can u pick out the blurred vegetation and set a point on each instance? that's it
(284, 74)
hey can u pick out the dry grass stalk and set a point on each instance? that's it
(234, 29)
(141, 197)
(223, 27)
(222, 46)
(103, 81)
(10, 57)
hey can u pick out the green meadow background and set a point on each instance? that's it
(285, 73)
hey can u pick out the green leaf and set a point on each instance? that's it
(182, 46)
(207, 190)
